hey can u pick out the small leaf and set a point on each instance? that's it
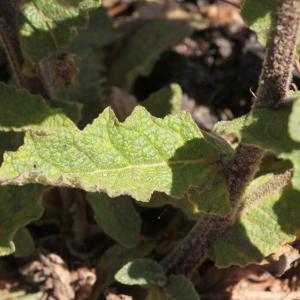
(24, 243)
(48, 26)
(258, 14)
(179, 288)
(268, 220)
(261, 130)
(115, 257)
(21, 111)
(142, 155)
(156, 293)
(18, 207)
(143, 48)
(88, 48)
(167, 100)
(70, 108)
(142, 272)
(294, 120)
(233, 127)
(117, 217)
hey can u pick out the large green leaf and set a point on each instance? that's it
(21, 111)
(47, 26)
(18, 207)
(142, 272)
(23, 242)
(268, 220)
(142, 155)
(117, 217)
(143, 48)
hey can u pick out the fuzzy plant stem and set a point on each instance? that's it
(10, 41)
(274, 81)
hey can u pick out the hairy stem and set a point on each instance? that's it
(272, 90)
(10, 41)
(277, 69)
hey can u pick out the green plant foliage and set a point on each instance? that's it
(71, 109)
(120, 158)
(179, 287)
(20, 295)
(258, 15)
(258, 128)
(21, 111)
(167, 100)
(156, 293)
(117, 217)
(18, 207)
(294, 120)
(143, 48)
(24, 243)
(142, 272)
(268, 220)
(49, 26)
(116, 257)
(88, 47)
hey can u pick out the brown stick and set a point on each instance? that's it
(10, 42)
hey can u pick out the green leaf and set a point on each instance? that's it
(232, 127)
(117, 217)
(167, 100)
(115, 257)
(70, 108)
(88, 47)
(21, 111)
(268, 220)
(18, 207)
(156, 293)
(24, 243)
(260, 129)
(142, 272)
(179, 288)
(142, 155)
(258, 14)
(48, 26)
(294, 120)
(143, 48)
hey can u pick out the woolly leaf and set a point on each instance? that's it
(116, 257)
(294, 120)
(167, 100)
(179, 287)
(48, 26)
(24, 243)
(21, 111)
(142, 272)
(259, 14)
(18, 207)
(268, 220)
(143, 48)
(137, 157)
(269, 129)
(88, 47)
(117, 217)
